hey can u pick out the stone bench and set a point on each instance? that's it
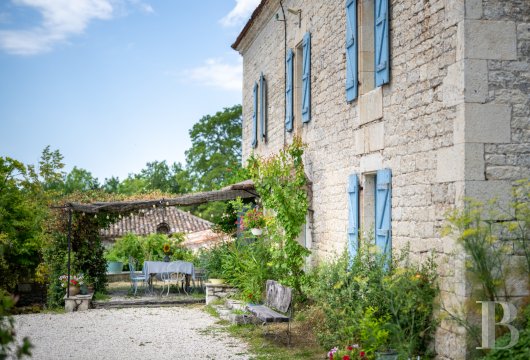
(77, 302)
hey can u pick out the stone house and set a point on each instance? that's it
(406, 108)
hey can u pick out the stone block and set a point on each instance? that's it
(358, 141)
(370, 163)
(488, 190)
(374, 137)
(482, 123)
(473, 9)
(371, 105)
(475, 80)
(460, 162)
(489, 40)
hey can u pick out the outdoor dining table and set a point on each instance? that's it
(157, 268)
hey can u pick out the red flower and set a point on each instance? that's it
(350, 348)
(330, 356)
(362, 354)
(346, 357)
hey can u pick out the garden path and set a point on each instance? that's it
(180, 332)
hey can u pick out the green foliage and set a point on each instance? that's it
(211, 260)
(281, 183)
(9, 348)
(215, 155)
(361, 302)
(247, 266)
(490, 234)
(23, 210)
(148, 248)
(79, 180)
(374, 333)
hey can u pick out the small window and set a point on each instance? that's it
(163, 228)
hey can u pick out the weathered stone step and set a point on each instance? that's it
(112, 304)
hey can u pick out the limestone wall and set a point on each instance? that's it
(452, 122)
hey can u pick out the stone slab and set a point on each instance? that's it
(483, 123)
(371, 105)
(490, 40)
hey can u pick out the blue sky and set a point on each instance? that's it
(113, 84)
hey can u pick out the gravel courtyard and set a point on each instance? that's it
(182, 332)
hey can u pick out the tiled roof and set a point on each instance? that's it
(147, 222)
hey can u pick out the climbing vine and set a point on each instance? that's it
(281, 183)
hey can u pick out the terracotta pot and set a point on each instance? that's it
(74, 290)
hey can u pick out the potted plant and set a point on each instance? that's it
(255, 221)
(114, 263)
(351, 352)
(212, 262)
(76, 281)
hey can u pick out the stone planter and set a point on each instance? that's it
(256, 231)
(386, 355)
(114, 267)
(216, 292)
(216, 281)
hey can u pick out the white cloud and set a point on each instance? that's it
(60, 20)
(217, 73)
(240, 13)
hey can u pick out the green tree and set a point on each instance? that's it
(215, 155)
(24, 198)
(79, 180)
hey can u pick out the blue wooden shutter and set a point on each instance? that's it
(255, 118)
(351, 50)
(382, 48)
(306, 78)
(263, 107)
(353, 215)
(383, 206)
(289, 91)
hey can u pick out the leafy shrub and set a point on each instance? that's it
(362, 302)
(150, 248)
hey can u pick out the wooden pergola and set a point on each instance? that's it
(243, 190)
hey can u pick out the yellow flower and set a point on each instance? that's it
(166, 248)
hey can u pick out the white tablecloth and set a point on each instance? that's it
(159, 267)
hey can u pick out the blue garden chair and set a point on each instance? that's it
(135, 278)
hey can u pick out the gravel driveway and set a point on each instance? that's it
(130, 333)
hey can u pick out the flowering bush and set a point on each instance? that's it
(75, 280)
(253, 219)
(351, 352)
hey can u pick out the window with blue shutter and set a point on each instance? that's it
(383, 206)
(289, 91)
(382, 48)
(306, 78)
(263, 107)
(255, 118)
(353, 215)
(351, 50)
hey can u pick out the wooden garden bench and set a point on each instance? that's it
(277, 307)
